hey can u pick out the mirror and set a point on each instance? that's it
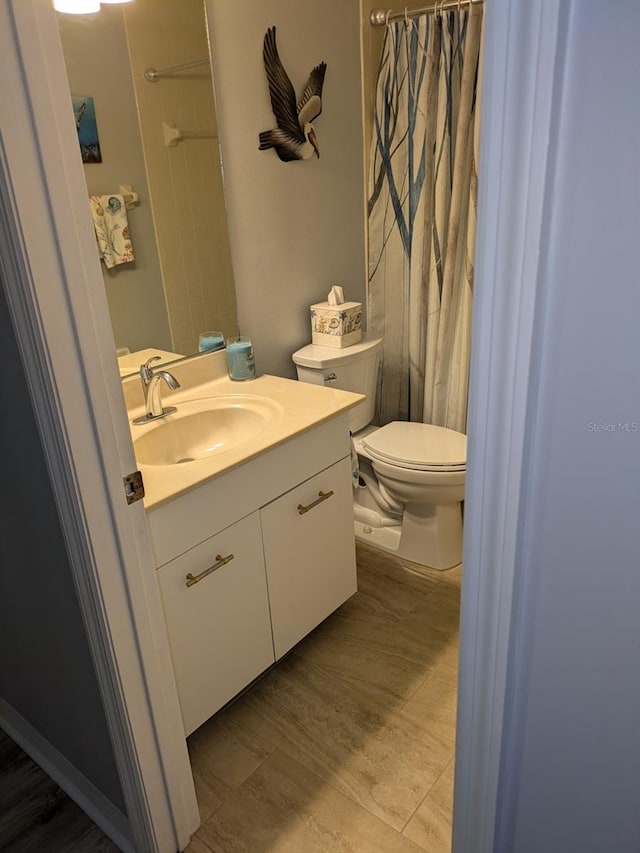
(180, 282)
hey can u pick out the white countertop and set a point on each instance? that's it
(303, 406)
(131, 361)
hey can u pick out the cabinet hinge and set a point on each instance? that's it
(133, 487)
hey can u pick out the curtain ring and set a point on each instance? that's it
(386, 17)
(408, 22)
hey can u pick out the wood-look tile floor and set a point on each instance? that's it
(348, 743)
(36, 816)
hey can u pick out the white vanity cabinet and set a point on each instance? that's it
(309, 553)
(217, 616)
(287, 518)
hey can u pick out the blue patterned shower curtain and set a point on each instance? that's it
(422, 215)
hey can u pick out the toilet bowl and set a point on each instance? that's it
(411, 483)
(422, 467)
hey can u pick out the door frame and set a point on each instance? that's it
(521, 89)
(58, 307)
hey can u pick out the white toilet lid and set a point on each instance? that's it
(423, 447)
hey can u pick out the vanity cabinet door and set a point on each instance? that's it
(309, 550)
(218, 625)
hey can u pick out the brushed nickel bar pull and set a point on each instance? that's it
(324, 496)
(220, 561)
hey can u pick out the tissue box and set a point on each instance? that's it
(336, 325)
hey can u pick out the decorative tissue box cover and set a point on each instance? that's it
(336, 325)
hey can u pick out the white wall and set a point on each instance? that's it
(572, 759)
(295, 228)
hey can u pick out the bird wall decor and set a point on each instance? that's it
(294, 138)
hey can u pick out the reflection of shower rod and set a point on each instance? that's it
(382, 17)
(153, 74)
(172, 135)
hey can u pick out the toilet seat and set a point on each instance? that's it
(418, 447)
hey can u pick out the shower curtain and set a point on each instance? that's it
(422, 215)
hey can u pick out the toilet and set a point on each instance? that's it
(410, 480)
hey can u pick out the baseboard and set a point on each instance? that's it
(83, 792)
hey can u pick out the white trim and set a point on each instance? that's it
(58, 306)
(101, 810)
(522, 62)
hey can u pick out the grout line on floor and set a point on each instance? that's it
(417, 808)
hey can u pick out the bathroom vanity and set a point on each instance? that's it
(253, 542)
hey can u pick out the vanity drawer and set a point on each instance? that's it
(219, 627)
(309, 549)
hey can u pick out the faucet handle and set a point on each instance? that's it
(149, 360)
(145, 370)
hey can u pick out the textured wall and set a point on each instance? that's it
(295, 228)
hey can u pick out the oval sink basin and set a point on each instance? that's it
(204, 428)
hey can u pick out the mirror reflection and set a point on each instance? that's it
(158, 137)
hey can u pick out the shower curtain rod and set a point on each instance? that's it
(153, 74)
(381, 17)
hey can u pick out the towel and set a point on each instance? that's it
(112, 229)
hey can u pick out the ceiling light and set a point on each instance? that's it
(76, 7)
(104, 2)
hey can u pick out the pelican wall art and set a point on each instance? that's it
(294, 138)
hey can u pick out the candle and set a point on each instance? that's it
(240, 361)
(210, 341)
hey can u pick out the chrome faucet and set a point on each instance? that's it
(151, 388)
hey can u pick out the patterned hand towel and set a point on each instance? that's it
(112, 229)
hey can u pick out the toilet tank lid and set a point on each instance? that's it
(320, 357)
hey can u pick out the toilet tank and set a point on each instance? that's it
(353, 368)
